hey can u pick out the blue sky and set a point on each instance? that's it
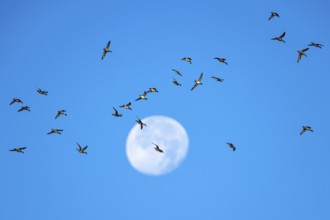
(264, 100)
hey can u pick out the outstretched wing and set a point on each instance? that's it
(58, 114)
(194, 86)
(200, 77)
(299, 57)
(304, 50)
(85, 148)
(108, 44)
(116, 112)
(282, 34)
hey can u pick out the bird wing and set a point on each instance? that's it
(200, 77)
(304, 50)
(303, 131)
(271, 16)
(299, 57)
(194, 86)
(58, 114)
(103, 55)
(108, 44)
(12, 102)
(283, 34)
(116, 112)
(85, 148)
(79, 145)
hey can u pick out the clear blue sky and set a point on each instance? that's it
(264, 100)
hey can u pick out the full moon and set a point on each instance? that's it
(168, 134)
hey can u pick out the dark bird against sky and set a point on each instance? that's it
(139, 121)
(24, 108)
(198, 82)
(55, 131)
(280, 38)
(157, 148)
(312, 44)
(221, 60)
(60, 112)
(42, 92)
(116, 114)
(15, 100)
(177, 72)
(232, 146)
(106, 50)
(127, 106)
(175, 82)
(142, 96)
(18, 150)
(306, 128)
(81, 149)
(301, 53)
(187, 59)
(272, 15)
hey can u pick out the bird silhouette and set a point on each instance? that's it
(306, 128)
(142, 96)
(152, 90)
(175, 82)
(24, 108)
(301, 53)
(198, 82)
(116, 114)
(55, 131)
(187, 59)
(81, 149)
(157, 148)
(106, 50)
(19, 150)
(140, 123)
(280, 38)
(221, 60)
(127, 106)
(273, 14)
(312, 44)
(217, 79)
(15, 100)
(231, 146)
(177, 72)
(42, 92)
(60, 112)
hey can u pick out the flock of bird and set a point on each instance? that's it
(143, 96)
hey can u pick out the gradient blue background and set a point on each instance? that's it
(260, 107)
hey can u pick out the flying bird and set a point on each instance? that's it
(177, 72)
(140, 123)
(198, 82)
(280, 38)
(176, 82)
(187, 59)
(302, 53)
(55, 131)
(24, 108)
(106, 50)
(15, 100)
(231, 146)
(60, 112)
(157, 148)
(152, 90)
(312, 44)
(19, 150)
(143, 96)
(127, 106)
(217, 79)
(116, 114)
(306, 128)
(273, 14)
(221, 60)
(42, 92)
(81, 149)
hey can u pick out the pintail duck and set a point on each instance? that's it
(231, 146)
(187, 59)
(106, 50)
(140, 123)
(306, 128)
(55, 131)
(127, 106)
(176, 82)
(177, 72)
(198, 82)
(273, 14)
(152, 90)
(157, 148)
(81, 149)
(116, 114)
(15, 100)
(143, 96)
(312, 44)
(280, 38)
(217, 79)
(301, 53)
(24, 108)
(19, 150)
(221, 60)
(60, 112)
(42, 92)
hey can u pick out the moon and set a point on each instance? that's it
(168, 134)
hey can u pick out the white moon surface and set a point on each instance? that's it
(168, 134)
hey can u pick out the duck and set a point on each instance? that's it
(306, 128)
(152, 90)
(157, 148)
(232, 146)
(127, 106)
(187, 59)
(42, 92)
(177, 72)
(273, 14)
(217, 79)
(19, 150)
(142, 97)
(24, 108)
(198, 82)
(221, 60)
(176, 82)
(312, 44)
(60, 112)
(106, 50)
(301, 53)
(116, 114)
(280, 38)
(81, 149)
(140, 123)
(15, 100)
(55, 131)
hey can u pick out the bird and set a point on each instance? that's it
(312, 44)
(157, 148)
(280, 38)
(81, 149)
(187, 59)
(60, 112)
(42, 92)
(55, 131)
(273, 14)
(19, 150)
(231, 146)
(177, 72)
(198, 82)
(15, 100)
(116, 114)
(175, 82)
(221, 60)
(106, 50)
(24, 108)
(302, 53)
(140, 123)
(217, 79)
(143, 96)
(306, 128)
(127, 106)
(152, 90)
